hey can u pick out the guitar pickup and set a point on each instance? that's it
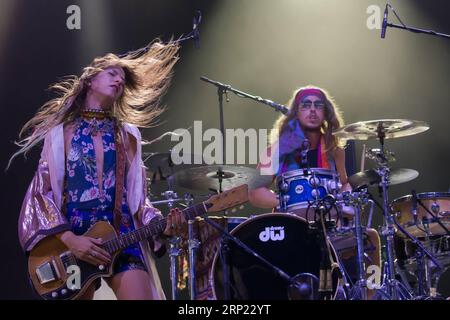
(47, 272)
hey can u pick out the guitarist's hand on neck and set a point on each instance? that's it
(176, 223)
(85, 248)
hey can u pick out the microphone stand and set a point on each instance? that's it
(417, 30)
(227, 87)
(405, 27)
(221, 90)
(193, 35)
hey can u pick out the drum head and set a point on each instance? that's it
(284, 240)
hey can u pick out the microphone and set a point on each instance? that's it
(384, 25)
(414, 205)
(277, 106)
(306, 144)
(304, 152)
(196, 33)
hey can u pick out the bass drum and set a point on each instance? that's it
(287, 242)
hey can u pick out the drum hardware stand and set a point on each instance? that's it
(422, 254)
(175, 242)
(193, 245)
(358, 200)
(424, 251)
(369, 219)
(391, 286)
(294, 286)
(323, 207)
(174, 252)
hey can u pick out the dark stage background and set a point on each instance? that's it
(264, 47)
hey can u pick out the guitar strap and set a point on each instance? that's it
(120, 177)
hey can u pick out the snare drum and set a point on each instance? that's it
(438, 203)
(286, 241)
(299, 188)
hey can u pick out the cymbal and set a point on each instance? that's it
(392, 128)
(161, 165)
(371, 178)
(206, 177)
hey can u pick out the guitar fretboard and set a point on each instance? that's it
(152, 229)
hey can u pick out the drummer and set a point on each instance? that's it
(313, 115)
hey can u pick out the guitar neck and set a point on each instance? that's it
(152, 229)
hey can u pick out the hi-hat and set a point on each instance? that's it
(388, 128)
(207, 177)
(370, 177)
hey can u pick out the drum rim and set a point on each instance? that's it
(421, 196)
(299, 172)
(291, 215)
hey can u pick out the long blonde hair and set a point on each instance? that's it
(333, 118)
(147, 76)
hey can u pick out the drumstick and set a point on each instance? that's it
(363, 158)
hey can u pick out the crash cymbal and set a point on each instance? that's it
(206, 177)
(371, 178)
(391, 128)
(161, 165)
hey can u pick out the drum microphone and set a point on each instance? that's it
(306, 144)
(384, 25)
(304, 152)
(414, 205)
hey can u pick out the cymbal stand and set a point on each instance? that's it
(391, 287)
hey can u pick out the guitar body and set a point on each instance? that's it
(50, 258)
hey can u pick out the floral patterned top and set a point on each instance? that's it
(86, 202)
(82, 188)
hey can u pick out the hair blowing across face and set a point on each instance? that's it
(147, 76)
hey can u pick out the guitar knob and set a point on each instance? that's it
(54, 294)
(64, 292)
(101, 267)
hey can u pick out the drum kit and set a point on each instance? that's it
(311, 248)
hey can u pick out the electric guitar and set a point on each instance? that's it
(51, 264)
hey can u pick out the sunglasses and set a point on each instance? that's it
(307, 104)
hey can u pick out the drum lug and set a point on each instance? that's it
(435, 207)
(314, 182)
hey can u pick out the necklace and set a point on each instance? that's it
(97, 120)
(96, 114)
